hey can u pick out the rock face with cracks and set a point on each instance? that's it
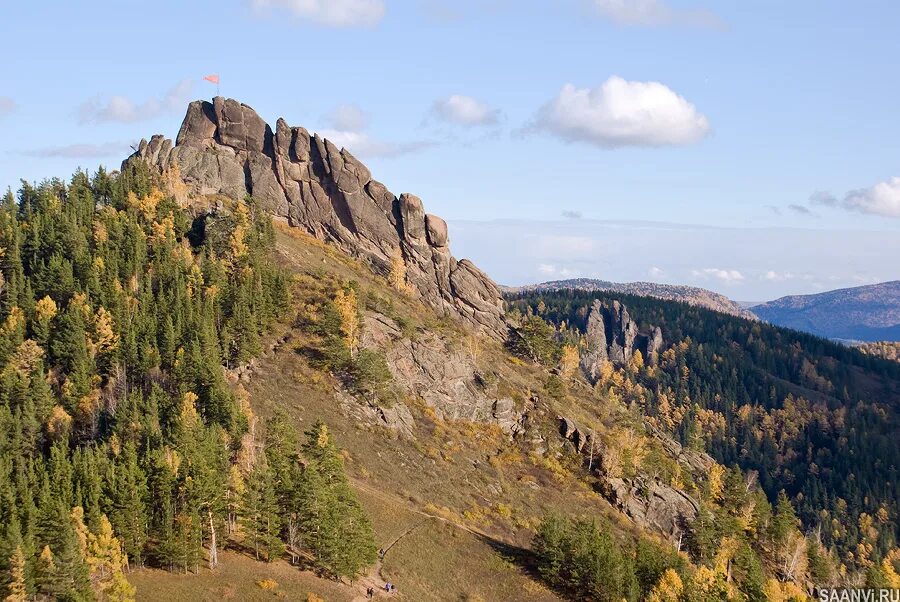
(225, 148)
(613, 336)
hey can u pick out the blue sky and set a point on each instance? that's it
(769, 128)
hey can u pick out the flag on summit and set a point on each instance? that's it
(214, 78)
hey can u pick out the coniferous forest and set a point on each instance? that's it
(815, 423)
(121, 444)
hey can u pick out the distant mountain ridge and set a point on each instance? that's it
(691, 295)
(862, 313)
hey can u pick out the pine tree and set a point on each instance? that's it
(261, 513)
(333, 523)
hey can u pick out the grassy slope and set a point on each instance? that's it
(459, 503)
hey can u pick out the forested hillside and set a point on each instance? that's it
(799, 413)
(121, 443)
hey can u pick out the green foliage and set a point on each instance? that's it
(582, 559)
(809, 416)
(118, 313)
(536, 340)
(334, 524)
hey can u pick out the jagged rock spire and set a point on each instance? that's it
(225, 148)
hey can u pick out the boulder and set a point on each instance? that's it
(225, 148)
(651, 504)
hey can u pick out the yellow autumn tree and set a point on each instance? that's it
(106, 564)
(102, 553)
(667, 589)
(59, 423)
(16, 588)
(637, 361)
(347, 306)
(715, 482)
(237, 243)
(397, 273)
(568, 363)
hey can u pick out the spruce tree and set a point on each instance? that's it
(333, 523)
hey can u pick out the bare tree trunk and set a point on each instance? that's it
(591, 460)
(213, 548)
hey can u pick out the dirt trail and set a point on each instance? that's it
(375, 579)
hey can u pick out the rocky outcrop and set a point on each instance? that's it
(225, 148)
(651, 503)
(443, 376)
(612, 336)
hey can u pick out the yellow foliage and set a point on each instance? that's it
(188, 415)
(716, 485)
(397, 274)
(105, 337)
(45, 309)
(59, 422)
(311, 597)
(637, 361)
(668, 589)
(322, 441)
(568, 363)
(238, 244)
(347, 306)
(268, 585)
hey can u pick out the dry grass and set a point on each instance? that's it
(459, 503)
(238, 578)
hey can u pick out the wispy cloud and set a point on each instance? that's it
(802, 210)
(124, 110)
(622, 113)
(465, 110)
(331, 13)
(569, 214)
(881, 199)
(726, 276)
(81, 151)
(655, 13)
(347, 128)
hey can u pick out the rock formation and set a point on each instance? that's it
(612, 336)
(225, 148)
(651, 504)
(443, 376)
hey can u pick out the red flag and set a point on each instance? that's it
(214, 78)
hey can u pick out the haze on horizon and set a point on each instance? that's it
(749, 151)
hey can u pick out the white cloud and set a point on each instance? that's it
(622, 113)
(548, 269)
(348, 130)
(82, 151)
(362, 144)
(773, 276)
(656, 272)
(7, 105)
(124, 110)
(333, 13)
(881, 199)
(726, 276)
(348, 117)
(465, 110)
(655, 13)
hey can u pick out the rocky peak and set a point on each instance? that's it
(613, 336)
(225, 148)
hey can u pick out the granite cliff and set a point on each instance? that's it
(225, 148)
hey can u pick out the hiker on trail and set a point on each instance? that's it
(387, 587)
(381, 553)
(370, 593)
